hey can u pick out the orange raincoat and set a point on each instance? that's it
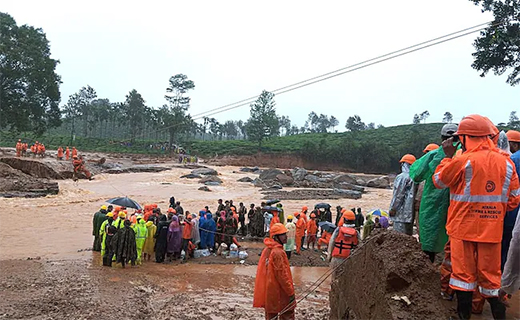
(67, 153)
(300, 233)
(60, 153)
(274, 284)
(324, 239)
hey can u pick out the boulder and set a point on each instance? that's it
(348, 178)
(212, 183)
(348, 186)
(269, 174)
(254, 169)
(191, 176)
(284, 179)
(259, 183)
(245, 179)
(212, 179)
(311, 178)
(205, 172)
(361, 182)
(381, 182)
(299, 174)
(204, 188)
(351, 194)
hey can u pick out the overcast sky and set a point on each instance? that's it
(233, 50)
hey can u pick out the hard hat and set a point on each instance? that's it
(305, 208)
(408, 158)
(313, 215)
(290, 217)
(110, 214)
(122, 214)
(343, 210)
(233, 209)
(139, 216)
(513, 136)
(277, 229)
(431, 147)
(74, 157)
(449, 129)
(477, 126)
(103, 207)
(349, 215)
(279, 205)
(170, 209)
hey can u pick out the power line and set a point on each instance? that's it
(345, 70)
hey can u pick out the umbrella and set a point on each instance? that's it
(271, 202)
(271, 208)
(327, 226)
(324, 205)
(125, 202)
(378, 212)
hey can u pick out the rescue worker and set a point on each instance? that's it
(79, 166)
(141, 233)
(149, 244)
(67, 154)
(324, 239)
(41, 150)
(509, 221)
(103, 232)
(343, 240)
(60, 153)
(19, 147)
(434, 203)
(74, 152)
(300, 232)
(483, 186)
(24, 149)
(34, 149)
(186, 235)
(291, 235)
(312, 231)
(124, 245)
(98, 219)
(121, 217)
(401, 206)
(510, 282)
(303, 216)
(281, 215)
(274, 289)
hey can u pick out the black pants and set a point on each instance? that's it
(430, 255)
(288, 253)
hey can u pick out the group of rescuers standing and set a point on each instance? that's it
(463, 196)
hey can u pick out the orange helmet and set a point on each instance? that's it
(304, 208)
(313, 215)
(277, 229)
(431, 147)
(477, 126)
(513, 136)
(343, 210)
(408, 158)
(349, 215)
(171, 210)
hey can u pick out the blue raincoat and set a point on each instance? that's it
(207, 239)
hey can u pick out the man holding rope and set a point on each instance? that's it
(274, 289)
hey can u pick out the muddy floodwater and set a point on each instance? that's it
(49, 272)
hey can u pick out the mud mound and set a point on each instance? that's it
(389, 264)
(33, 168)
(14, 183)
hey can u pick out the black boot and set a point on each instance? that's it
(464, 299)
(498, 309)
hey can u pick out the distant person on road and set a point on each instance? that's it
(401, 206)
(99, 217)
(274, 289)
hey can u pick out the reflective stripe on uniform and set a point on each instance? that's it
(515, 193)
(489, 292)
(438, 181)
(468, 197)
(463, 285)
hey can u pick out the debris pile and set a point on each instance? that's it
(388, 277)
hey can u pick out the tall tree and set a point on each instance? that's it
(513, 123)
(355, 124)
(333, 122)
(416, 119)
(424, 115)
(371, 126)
(497, 47)
(175, 114)
(29, 85)
(448, 117)
(263, 121)
(134, 113)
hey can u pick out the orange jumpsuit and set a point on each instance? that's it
(324, 239)
(79, 167)
(300, 234)
(74, 152)
(274, 220)
(483, 186)
(60, 153)
(274, 284)
(67, 153)
(18, 149)
(312, 230)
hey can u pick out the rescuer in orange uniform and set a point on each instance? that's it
(60, 153)
(74, 152)
(324, 239)
(79, 166)
(343, 240)
(67, 153)
(483, 186)
(19, 146)
(274, 289)
(300, 232)
(312, 231)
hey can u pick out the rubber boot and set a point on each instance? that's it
(498, 309)
(464, 299)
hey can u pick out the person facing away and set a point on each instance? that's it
(291, 236)
(98, 219)
(161, 237)
(401, 206)
(360, 220)
(312, 230)
(124, 245)
(344, 239)
(178, 208)
(149, 244)
(141, 233)
(210, 227)
(186, 235)
(511, 216)
(103, 230)
(300, 232)
(433, 208)
(174, 241)
(242, 211)
(274, 289)
(483, 185)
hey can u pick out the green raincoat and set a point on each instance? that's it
(434, 203)
(141, 232)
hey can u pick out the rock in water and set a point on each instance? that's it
(205, 172)
(381, 182)
(245, 179)
(191, 176)
(386, 265)
(345, 178)
(205, 188)
(255, 169)
(213, 180)
(299, 174)
(269, 174)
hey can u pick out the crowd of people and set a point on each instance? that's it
(37, 149)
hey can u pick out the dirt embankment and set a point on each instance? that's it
(14, 183)
(374, 280)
